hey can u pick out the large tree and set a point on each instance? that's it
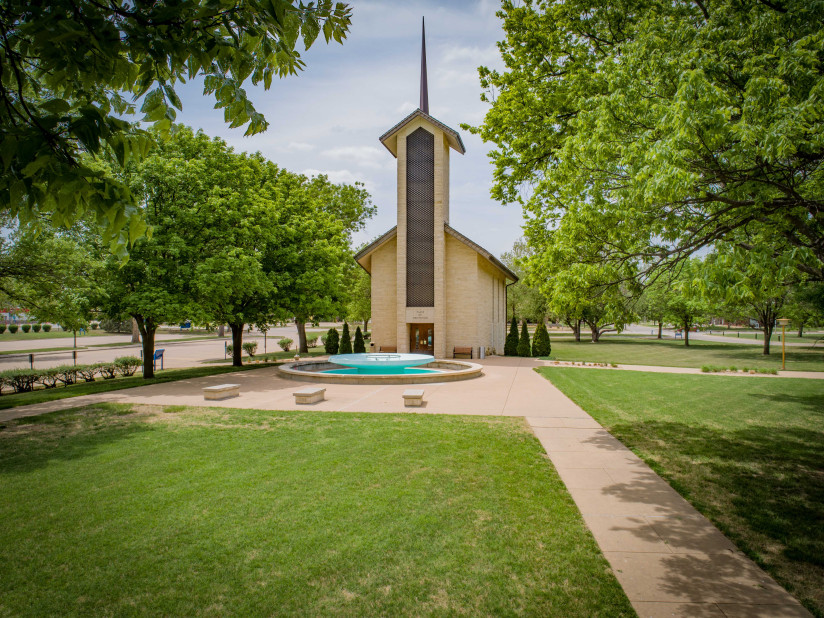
(72, 71)
(524, 299)
(661, 127)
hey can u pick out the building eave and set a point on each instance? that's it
(480, 250)
(375, 245)
(389, 139)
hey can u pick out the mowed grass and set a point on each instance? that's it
(669, 353)
(747, 452)
(41, 395)
(120, 510)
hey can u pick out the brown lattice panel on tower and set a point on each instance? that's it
(420, 219)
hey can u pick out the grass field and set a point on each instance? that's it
(747, 452)
(634, 351)
(102, 386)
(114, 510)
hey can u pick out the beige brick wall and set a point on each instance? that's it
(384, 295)
(461, 296)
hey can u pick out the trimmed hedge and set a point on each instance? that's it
(36, 327)
(541, 345)
(511, 343)
(285, 343)
(345, 341)
(332, 342)
(359, 346)
(25, 380)
(250, 347)
(524, 348)
(2, 328)
(26, 327)
(12, 328)
(46, 328)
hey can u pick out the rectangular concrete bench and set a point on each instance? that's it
(388, 348)
(413, 397)
(310, 394)
(221, 391)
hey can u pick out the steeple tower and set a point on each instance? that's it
(424, 104)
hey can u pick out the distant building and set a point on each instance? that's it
(433, 289)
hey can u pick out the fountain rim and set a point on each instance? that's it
(311, 371)
(381, 359)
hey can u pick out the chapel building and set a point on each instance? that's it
(434, 291)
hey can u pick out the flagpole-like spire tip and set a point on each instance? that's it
(424, 104)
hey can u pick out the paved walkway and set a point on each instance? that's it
(670, 560)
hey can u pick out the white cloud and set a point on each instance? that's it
(300, 146)
(364, 156)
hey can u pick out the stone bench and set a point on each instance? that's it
(310, 394)
(462, 351)
(221, 391)
(413, 397)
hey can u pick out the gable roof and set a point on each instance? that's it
(390, 138)
(384, 238)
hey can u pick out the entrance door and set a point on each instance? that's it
(420, 338)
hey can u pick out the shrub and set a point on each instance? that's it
(26, 327)
(230, 349)
(359, 347)
(48, 377)
(36, 328)
(107, 370)
(332, 342)
(285, 344)
(46, 328)
(511, 343)
(345, 346)
(21, 380)
(116, 326)
(250, 347)
(12, 328)
(66, 374)
(95, 325)
(540, 343)
(2, 328)
(523, 342)
(127, 365)
(87, 372)
(312, 341)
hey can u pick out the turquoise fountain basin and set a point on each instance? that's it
(381, 364)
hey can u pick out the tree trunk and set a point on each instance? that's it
(687, 324)
(147, 330)
(767, 330)
(301, 324)
(75, 339)
(237, 344)
(800, 329)
(366, 326)
(221, 331)
(576, 329)
(135, 332)
(660, 328)
(595, 332)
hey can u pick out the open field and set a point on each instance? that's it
(747, 452)
(115, 510)
(12, 400)
(669, 353)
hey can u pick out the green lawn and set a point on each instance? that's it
(101, 386)
(53, 334)
(634, 351)
(747, 452)
(182, 511)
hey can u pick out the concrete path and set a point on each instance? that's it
(670, 560)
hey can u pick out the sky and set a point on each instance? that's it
(329, 117)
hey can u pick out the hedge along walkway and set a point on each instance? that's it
(669, 559)
(812, 375)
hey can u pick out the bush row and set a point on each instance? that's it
(12, 328)
(25, 380)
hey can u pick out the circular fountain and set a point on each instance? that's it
(373, 368)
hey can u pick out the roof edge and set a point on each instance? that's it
(418, 112)
(479, 249)
(375, 244)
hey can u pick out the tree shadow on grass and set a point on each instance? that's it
(763, 479)
(31, 443)
(809, 403)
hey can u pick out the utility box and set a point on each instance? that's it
(482, 352)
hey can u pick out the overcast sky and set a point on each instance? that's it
(328, 118)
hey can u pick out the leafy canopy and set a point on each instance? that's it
(73, 71)
(652, 129)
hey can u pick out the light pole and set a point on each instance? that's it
(783, 322)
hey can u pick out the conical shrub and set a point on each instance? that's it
(524, 348)
(332, 342)
(345, 340)
(540, 343)
(359, 347)
(511, 343)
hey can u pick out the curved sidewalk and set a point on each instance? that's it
(670, 560)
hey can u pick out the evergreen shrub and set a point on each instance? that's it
(541, 345)
(46, 328)
(332, 342)
(26, 328)
(523, 342)
(511, 343)
(2, 328)
(359, 346)
(345, 346)
(12, 328)
(36, 328)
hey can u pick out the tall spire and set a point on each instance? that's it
(424, 105)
